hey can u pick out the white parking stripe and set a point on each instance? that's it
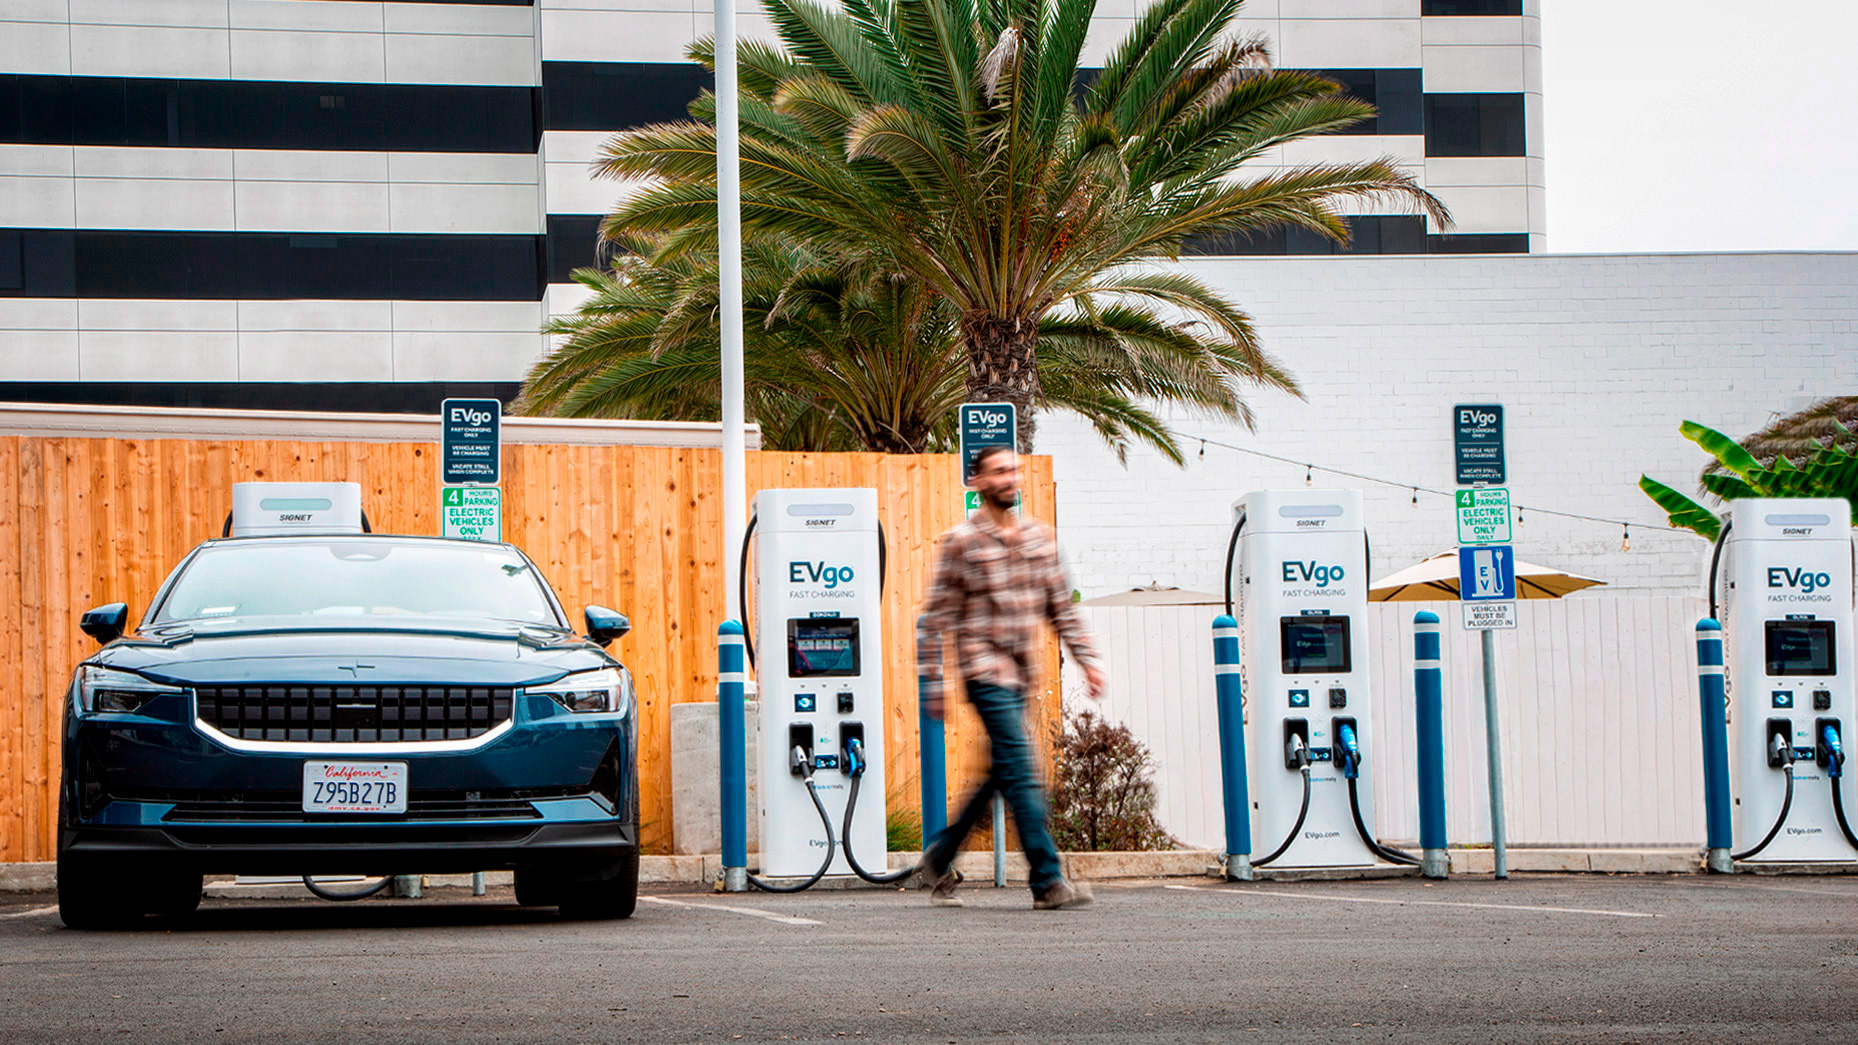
(29, 913)
(752, 912)
(1416, 903)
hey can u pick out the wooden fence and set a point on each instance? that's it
(87, 521)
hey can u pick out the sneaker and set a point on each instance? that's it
(942, 893)
(1061, 894)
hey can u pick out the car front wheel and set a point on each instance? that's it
(611, 895)
(87, 900)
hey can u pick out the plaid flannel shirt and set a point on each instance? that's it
(992, 589)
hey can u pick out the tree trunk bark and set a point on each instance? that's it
(1002, 367)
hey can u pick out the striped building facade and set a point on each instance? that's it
(355, 205)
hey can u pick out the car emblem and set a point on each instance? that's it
(355, 669)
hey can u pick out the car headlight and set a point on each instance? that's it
(605, 690)
(107, 689)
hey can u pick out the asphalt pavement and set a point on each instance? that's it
(1539, 958)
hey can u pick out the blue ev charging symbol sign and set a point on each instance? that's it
(1486, 573)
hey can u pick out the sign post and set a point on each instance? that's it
(1487, 587)
(470, 468)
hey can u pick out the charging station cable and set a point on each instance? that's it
(1232, 551)
(1298, 754)
(1351, 768)
(359, 894)
(803, 764)
(1782, 755)
(1834, 754)
(855, 765)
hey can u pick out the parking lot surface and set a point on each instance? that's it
(1539, 958)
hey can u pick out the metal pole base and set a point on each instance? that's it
(735, 879)
(1719, 862)
(1238, 867)
(1433, 863)
(408, 886)
(477, 883)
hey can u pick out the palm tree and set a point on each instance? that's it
(1831, 422)
(948, 140)
(841, 360)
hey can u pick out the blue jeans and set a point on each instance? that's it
(1003, 712)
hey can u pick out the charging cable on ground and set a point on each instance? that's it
(854, 765)
(1780, 754)
(1350, 761)
(336, 897)
(1296, 753)
(802, 764)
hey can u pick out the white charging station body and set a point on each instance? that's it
(820, 672)
(1300, 589)
(1787, 608)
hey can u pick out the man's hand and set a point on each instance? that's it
(1099, 682)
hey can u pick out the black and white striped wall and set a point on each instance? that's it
(349, 204)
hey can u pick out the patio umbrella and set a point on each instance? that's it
(1436, 579)
(1154, 595)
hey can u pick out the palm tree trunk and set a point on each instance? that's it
(1002, 367)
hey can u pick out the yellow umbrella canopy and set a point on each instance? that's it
(1436, 579)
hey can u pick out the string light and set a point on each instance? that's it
(1625, 537)
(1202, 449)
(1309, 479)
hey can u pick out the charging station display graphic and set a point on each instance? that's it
(1786, 576)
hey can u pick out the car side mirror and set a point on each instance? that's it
(604, 625)
(106, 624)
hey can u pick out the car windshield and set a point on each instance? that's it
(357, 577)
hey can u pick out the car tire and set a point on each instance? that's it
(174, 896)
(607, 897)
(537, 887)
(87, 900)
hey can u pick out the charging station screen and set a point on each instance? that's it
(1801, 647)
(1315, 644)
(817, 648)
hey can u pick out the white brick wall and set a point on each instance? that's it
(1596, 358)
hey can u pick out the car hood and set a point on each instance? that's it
(486, 653)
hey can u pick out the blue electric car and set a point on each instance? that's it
(348, 704)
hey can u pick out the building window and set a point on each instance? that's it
(573, 243)
(248, 114)
(1474, 125)
(1479, 243)
(367, 397)
(1395, 93)
(1470, 7)
(1368, 234)
(612, 96)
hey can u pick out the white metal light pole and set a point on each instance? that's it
(729, 244)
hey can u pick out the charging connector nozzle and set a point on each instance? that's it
(1348, 749)
(1831, 752)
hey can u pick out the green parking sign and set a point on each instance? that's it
(471, 513)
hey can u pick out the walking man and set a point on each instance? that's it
(996, 579)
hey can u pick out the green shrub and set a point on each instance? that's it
(1103, 797)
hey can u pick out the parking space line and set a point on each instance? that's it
(1416, 903)
(751, 911)
(29, 913)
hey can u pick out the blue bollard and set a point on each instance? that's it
(1429, 719)
(1719, 833)
(731, 681)
(1231, 706)
(931, 745)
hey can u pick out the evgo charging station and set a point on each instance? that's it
(1297, 576)
(1787, 616)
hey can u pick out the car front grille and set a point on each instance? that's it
(353, 714)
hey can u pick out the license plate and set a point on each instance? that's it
(354, 787)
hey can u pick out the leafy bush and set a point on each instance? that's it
(1103, 797)
(1811, 463)
(903, 826)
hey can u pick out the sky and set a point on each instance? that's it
(1700, 125)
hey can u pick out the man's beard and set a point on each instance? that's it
(1003, 499)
